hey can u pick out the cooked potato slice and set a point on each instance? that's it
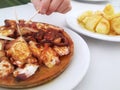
(86, 19)
(116, 15)
(103, 26)
(115, 25)
(87, 13)
(109, 10)
(92, 21)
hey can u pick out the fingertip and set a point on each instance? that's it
(36, 4)
(48, 13)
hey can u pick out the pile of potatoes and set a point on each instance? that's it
(103, 22)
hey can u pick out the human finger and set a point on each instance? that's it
(36, 3)
(66, 10)
(44, 6)
(54, 5)
(65, 5)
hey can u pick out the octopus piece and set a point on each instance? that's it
(6, 67)
(55, 37)
(64, 50)
(6, 31)
(25, 72)
(41, 25)
(27, 27)
(2, 53)
(54, 27)
(36, 51)
(24, 31)
(18, 51)
(2, 44)
(49, 57)
(10, 23)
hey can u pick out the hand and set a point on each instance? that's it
(50, 6)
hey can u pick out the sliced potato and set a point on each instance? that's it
(87, 13)
(92, 22)
(103, 26)
(86, 19)
(109, 10)
(115, 25)
(116, 15)
(83, 22)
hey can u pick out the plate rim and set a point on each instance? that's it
(89, 57)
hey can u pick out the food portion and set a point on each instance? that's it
(42, 53)
(103, 22)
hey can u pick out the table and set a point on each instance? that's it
(103, 72)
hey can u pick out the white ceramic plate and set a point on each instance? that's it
(71, 19)
(75, 71)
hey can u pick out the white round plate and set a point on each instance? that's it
(75, 71)
(71, 19)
